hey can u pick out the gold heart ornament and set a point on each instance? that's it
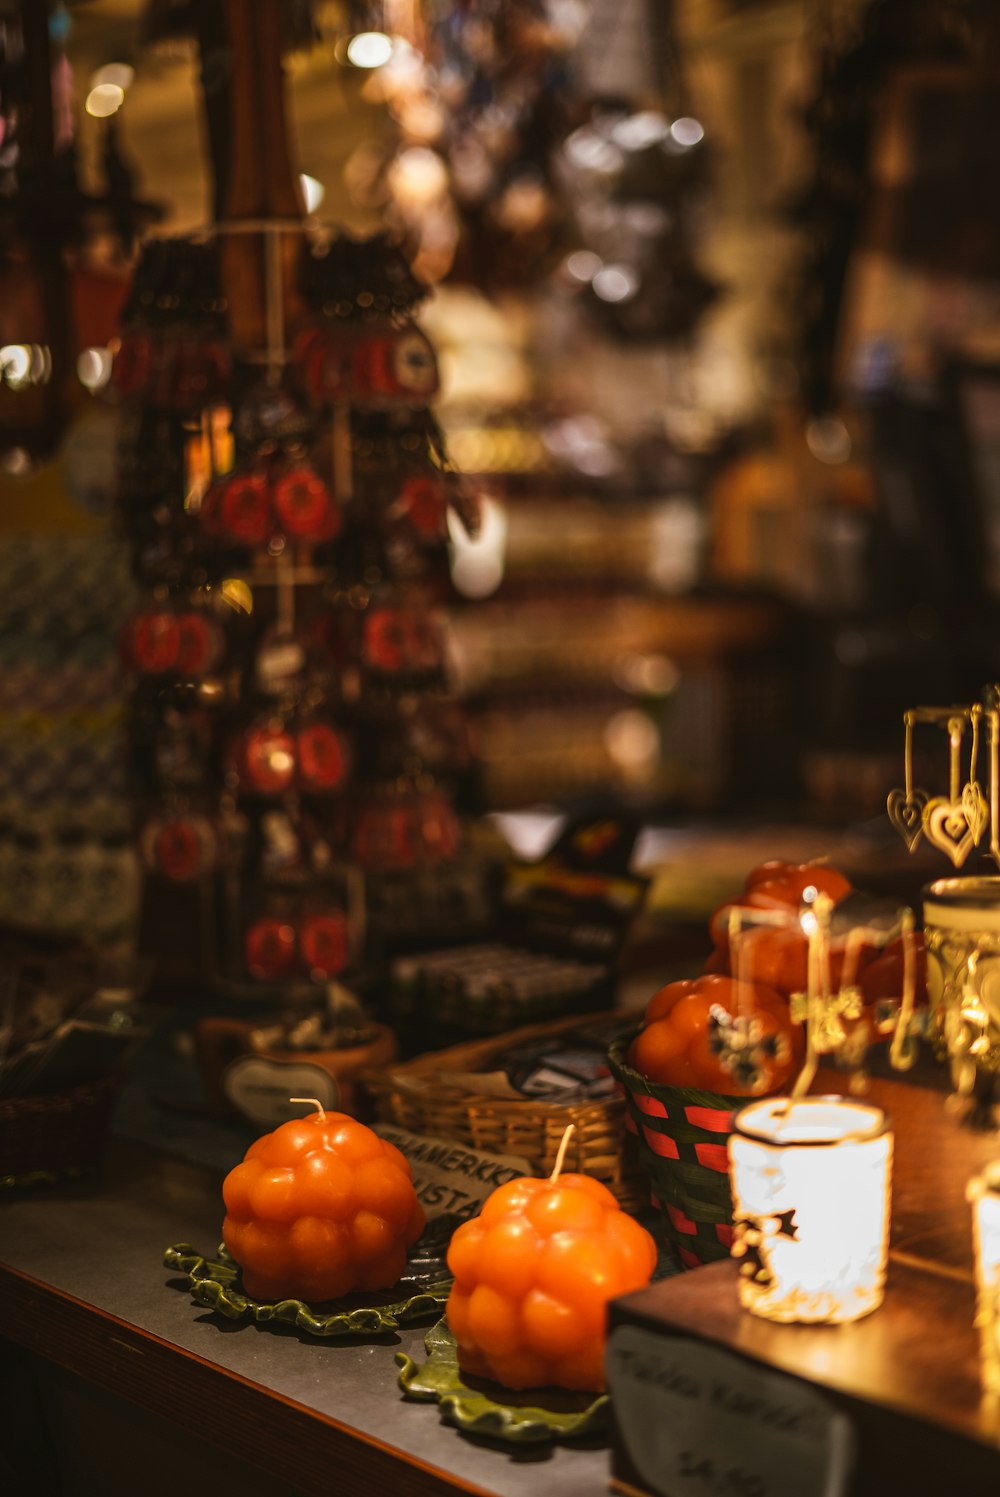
(955, 826)
(977, 811)
(906, 814)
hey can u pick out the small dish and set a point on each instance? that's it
(539, 1416)
(421, 1292)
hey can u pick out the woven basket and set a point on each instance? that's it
(413, 1096)
(682, 1136)
(55, 1133)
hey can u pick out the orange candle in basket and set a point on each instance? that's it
(533, 1276)
(318, 1208)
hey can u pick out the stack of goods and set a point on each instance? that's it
(294, 743)
(486, 987)
(67, 1025)
(563, 921)
(66, 861)
(733, 1033)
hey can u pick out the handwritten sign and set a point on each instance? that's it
(699, 1422)
(449, 1176)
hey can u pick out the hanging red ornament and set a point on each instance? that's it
(385, 639)
(322, 758)
(271, 948)
(304, 506)
(200, 645)
(399, 365)
(422, 503)
(268, 761)
(400, 640)
(323, 356)
(181, 848)
(151, 642)
(244, 512)
(324, 943)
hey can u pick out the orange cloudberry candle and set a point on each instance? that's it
(533, 1276)
(318, 1208)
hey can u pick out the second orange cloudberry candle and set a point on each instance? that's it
(533, 1276)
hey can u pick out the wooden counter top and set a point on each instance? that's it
(82, 1286)
(934, 1156)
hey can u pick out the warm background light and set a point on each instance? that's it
(313, 192)
(369, 49)
(104, 100)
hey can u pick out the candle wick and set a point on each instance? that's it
(561, 1156)
(315, 1102)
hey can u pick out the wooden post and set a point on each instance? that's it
(47, 250)
(260, 184)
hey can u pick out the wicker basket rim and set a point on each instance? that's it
(59, 1101)
(473, 1054)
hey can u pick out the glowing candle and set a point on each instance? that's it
(984, 1193)
(811, 1182)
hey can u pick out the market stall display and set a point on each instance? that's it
(287, 495)
(527, 1195)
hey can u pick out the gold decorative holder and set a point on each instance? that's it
(962, 936)
(831, 1013)
(961, 915)
(953, 823)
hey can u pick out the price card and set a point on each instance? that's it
(695, 1421)
(452, 1178)
(261, 1088)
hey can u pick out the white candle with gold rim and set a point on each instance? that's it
(984, 1194)
(811, 1181)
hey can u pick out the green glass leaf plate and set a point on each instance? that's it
(215, 1285)
(541, 1416)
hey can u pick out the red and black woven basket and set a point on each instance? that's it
(682, 1136)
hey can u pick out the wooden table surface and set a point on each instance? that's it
(934, 1156)
(82, 1286)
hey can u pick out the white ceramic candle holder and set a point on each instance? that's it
(984, 1194)
(811, 1180)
